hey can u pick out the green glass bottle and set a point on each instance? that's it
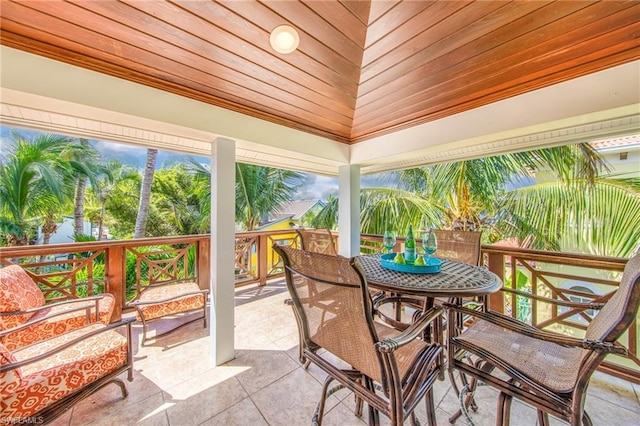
(410, 246)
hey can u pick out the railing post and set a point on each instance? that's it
(204, 263)
(115, 280)
(496, 265)
(262, 258)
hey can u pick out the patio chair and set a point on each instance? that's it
(39, 382)
(22, 302)
(392, 372)
(461, 246)
(317, 241)
(549, 371)
(161, 300)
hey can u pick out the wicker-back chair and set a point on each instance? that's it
(549, 371)
(317, 241)
(462, 246)
(391, 372)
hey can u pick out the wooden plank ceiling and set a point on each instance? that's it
(363, 68)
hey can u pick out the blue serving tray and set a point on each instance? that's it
(433, 267)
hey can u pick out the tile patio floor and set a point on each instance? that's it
(175, 383)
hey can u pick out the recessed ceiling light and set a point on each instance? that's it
(284, 39)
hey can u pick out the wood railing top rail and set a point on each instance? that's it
(564, 258)
(37, 250)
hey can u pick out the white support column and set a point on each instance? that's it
(223, 153)
(349, 210)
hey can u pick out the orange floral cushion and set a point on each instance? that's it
(9, 380)
(18, 292)
(180, 304)
(51, 379)
(59, 324)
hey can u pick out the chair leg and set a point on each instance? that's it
(374, 415)
(123, 387)
(144, 330)
(504, 409)
(204, 312)
(543, 418)
(319, 412)
(431, 408)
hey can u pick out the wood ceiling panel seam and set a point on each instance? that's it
(393, 19)
(309, 45)
(503, 86)
(380, 8)
(359, 8)
(228, 96)
(301, 79)
(136, 52)
(519, 47)
(19, 42)
(341, 18)
(331, 83)
(316, 27)
(398, 62)
(370, 132)
(442, 49)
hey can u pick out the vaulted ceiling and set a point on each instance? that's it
(363, 68)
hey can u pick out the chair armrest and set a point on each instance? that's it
(528, 330)
(415, 330)
(12, 366)
(86, 308)
(414, 302)
(168, 299)
(567, 303)
(53, 305)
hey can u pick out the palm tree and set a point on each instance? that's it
(259, 190)
(602, 218)
(114, 172)
(32, 183)
(145, 193)
(86, 168)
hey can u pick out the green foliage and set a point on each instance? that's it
(122, 207)
(601, 219)
(32, 182)
(577, 211)
(259, 190)
(156, 254)
(523, 304)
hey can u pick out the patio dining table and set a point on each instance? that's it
(455, 280)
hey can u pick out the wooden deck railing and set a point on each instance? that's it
(67, 271)
(120, 267)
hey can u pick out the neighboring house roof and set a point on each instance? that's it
(514, 242)
(616, 143)
(294, 209)
(273, 223)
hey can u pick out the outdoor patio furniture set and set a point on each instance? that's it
(392, 370)
(52, 356)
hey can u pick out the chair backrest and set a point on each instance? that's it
(621, 310)
(317, 241)
(331, 298)
(18, 292)
(462, 246)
